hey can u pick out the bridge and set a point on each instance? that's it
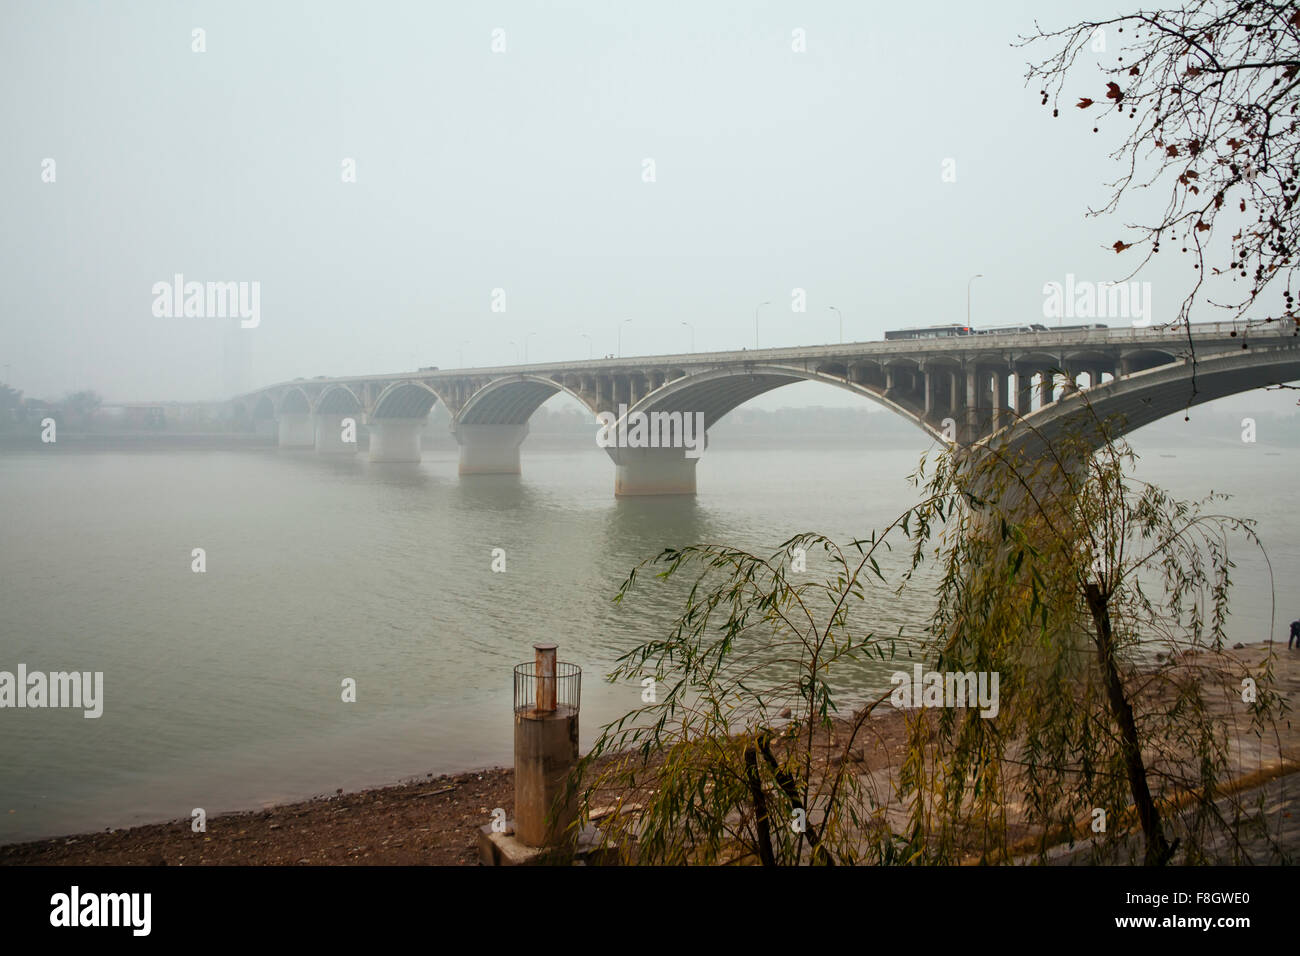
(1016, 388)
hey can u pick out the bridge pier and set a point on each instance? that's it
(395, 439)
(329, 435)
(296, 430)
(652, 471)
(490, 449)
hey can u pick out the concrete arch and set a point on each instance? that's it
(1125, 404)
(717, 392)
(493, 422)
(1148, 358)
(405, 400)
(338, 400)
(264, 408)
(295, 401)
(512, 401)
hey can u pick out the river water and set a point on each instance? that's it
(222, 689)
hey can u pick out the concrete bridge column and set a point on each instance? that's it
(653, 471)
(973, 389)
(1024, 391)
(929, 392)
(1046, 387)
(329, 434)
(954, 393)
(395, 439)
(490, 449)
(296, 430)
(999, 397)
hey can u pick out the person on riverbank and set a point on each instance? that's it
(1295, 635)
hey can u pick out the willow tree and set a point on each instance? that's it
(1066, 579)
(736, 753)
(1102, 603)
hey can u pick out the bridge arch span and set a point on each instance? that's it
(717, 392)
(338, 400)
(512, 401)
(404, 399)
(294, 401)
(493, 423)
(1125, 404)
(713, 394)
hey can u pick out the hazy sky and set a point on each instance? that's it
(524, 171)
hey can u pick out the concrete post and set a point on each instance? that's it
(546, 750)
(1046, 387)
(296, 430)
(395, 439)
(490, 449)
(929, 392)
(653, 471)
(999, 397)
(1024, 391)
(972, 402)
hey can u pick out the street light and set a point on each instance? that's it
(692, 328)
(841, 315)
(759, 306)
(588, 338)
(516, 345)
(979, 275)
(526, 338)
(620, 336)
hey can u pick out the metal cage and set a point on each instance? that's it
(536, 694)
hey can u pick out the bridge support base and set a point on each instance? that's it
(653, 471)
(296, 430)
(490, 449)
(395, 439)
(329, 435)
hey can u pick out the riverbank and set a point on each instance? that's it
(434, 820)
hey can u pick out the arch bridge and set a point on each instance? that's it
(1018, 388)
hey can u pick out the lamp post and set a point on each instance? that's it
(756, 308)
(588, 338)
(692, 328)
(979, 275)
(526, 338)
(620, 336)
(841, 315)
(516, 345)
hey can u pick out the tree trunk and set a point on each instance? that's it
(760, 808)
(1158, 849)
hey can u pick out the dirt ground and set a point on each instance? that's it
(433, 822)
